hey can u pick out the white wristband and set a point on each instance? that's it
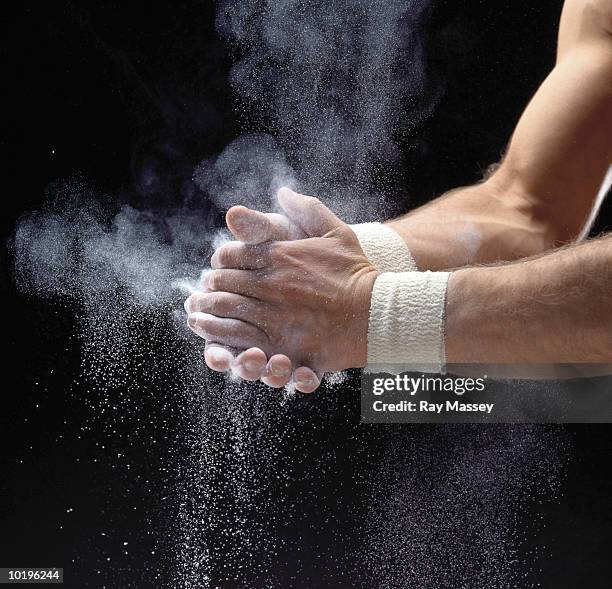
(406, 326)
(384, 247)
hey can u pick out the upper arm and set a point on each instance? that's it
(584, 21)
(561, 148)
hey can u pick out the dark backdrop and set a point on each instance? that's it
(109, 88)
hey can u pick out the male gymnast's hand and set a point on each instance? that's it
(307, 299)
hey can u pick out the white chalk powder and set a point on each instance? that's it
(261, 485)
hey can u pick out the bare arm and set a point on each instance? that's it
(554, 308)
(539, 197)
(542, 193)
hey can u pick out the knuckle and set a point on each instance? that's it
(277, 252)
(220, 304)
(225, 254)
(214, 280)
(315, 204)
(312, 201)
(194, 303)
(272, 281)
(344, 233)
(212, 305)
(222, 256)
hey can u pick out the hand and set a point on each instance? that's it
(254, 227)
(309, 298)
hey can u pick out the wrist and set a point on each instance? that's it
(405, 329)
(384, 248)
(356, 344)
(462, 299)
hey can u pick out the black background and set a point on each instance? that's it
(108, 89)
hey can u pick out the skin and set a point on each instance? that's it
(514, 313)
(309, 298)
(542, 192)
(537, 200)
(253, 227)
(555, 308)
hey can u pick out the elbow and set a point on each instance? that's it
(541, 225)
(547, 222)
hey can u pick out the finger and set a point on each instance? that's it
(278, 371)
(229, 305)
(251, 364)
(217, 357)
(236, 254)
(306, 380)
(229, 332)
(244, 282)
(308, 213)
(255, 227)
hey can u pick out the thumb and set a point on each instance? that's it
(250, 226)
(307, 212)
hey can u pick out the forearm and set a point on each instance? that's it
(553, 309)
(477, 224)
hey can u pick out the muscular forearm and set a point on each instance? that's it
(473, 225)
(553, 309)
